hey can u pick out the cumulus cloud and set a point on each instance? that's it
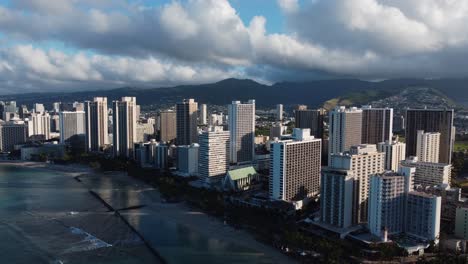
(123, 42)
(31, 69)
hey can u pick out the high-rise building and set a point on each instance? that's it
(55, 123)
(428, 173)
(242, 131)
(377, 125)
(56, 107)
(124, 126)
(203, 115)
(187, 130)
(345, 129)
(71, 124)
(461, 223)
(431, 121)
(39, 125)
(97, 135)
(363, 161)
(312, 119)
(214, 153)
(279, 112)
(23, 112)
(144, 131)
(336, 197)
(394, 153)
(167, 125)
(187, 159)
(152, 154)
(295, 167)
(277, 130)
(12, 133)
(423, 216)
(38, 108)
(427, 146)
(387, 203)
(216, 119)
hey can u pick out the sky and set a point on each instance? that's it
(66, 45)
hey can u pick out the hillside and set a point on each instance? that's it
(312, 93)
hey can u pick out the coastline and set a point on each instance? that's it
(179, 213)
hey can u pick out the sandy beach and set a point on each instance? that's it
(179, 213)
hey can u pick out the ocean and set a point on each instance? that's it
(49, 217)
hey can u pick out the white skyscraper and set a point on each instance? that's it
(203, 115)
(214, 153)
(394, 153)
(39, 125)
(38, 108)
(423, 216)
(428, 173)
(345, 129)
(71, 124)
(295, 167)
(242, 131)
(279, 112)
(96, 124)
(387, 203)
(427, 146)
(363, 161)
(124, 126)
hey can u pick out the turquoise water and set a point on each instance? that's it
(48, 217)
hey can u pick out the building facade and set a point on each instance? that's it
(308, 118)
(427, 146)
(214, 153)
(124, 126)
(431, 121)
(377, 125)
(97, 133)
(345, 128)
(242, 131)
(394, 151)
(295, 167)
(71, 124)
(186, 122)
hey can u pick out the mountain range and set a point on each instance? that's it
(312, 93)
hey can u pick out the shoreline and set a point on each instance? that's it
(180, 213)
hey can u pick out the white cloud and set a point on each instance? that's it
(205, 40)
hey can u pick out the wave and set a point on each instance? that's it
(88, 243)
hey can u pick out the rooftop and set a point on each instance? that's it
(241, 173)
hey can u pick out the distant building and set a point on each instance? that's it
(214, 153)
(144, 131)
(38, 108)
(187, 159)
(167, 125)
(242, 131)
(295, 167)
(124, 126)
(97, 135)
(277, 130)
(39, 125)
(312, 119)
(203, 115)
(427, 146)
(71, 124)
(377, 125)
(394, 151)
(431, 121)
(186, 116)
(429, 174)
(279, 112)
(345, 128)
(152, 154)
(12, 133)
